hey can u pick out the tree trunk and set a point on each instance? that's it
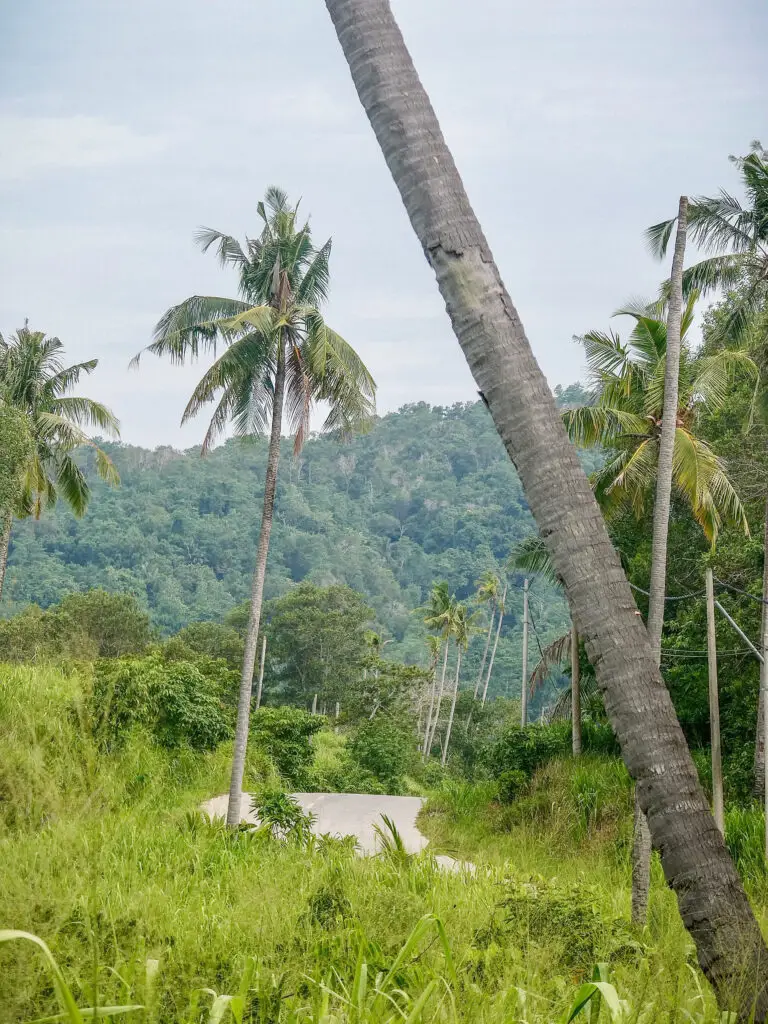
(710, 895)
(764, 676)
(429, 732)
(257, 592)
(524, 687)
(495, 645)
(261, 670)
(575, 693)
(760, 731)
(479, 682)
(718, 806)
(439, 701)
(641, 858)
(453, 705)
(5, 540)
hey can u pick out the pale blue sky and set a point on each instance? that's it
(125, 124)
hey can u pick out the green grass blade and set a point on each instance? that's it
(66, 999)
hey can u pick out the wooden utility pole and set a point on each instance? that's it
(261, 670)
(524, 692)
(575, 692)
(714, 709)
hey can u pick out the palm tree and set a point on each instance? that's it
(35, 382)
(501, 607)
(434, 646)
(712, 901)
(461, 629)
(735, 235)
(627, 381)
(279, 356)
(488, 588)
(438, 617)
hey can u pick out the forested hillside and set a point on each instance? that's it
(428, 494)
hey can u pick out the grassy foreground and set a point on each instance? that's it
(144, 903)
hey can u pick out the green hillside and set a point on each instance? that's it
(428, 494)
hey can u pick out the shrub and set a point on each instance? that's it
(285, 734)
(207, 639)
(525, 750)
(511, 784)
(382, 748)
(283, 817)
(174, 700)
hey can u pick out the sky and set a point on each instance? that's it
(126, 124)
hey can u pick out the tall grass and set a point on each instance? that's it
(143, 902)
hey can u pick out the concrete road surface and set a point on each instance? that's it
(347, 814)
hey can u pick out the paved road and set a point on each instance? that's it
(347, 814)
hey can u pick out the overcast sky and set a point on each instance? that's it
(125, 124)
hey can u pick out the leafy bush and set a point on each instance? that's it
(511, 784)
(285, 734)
(283, 817)
(384, 749)
(525, 750)
(94, 624)
(207, 639)
(174, 700)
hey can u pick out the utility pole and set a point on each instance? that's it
(714, 708)
(575, 692)
(524, 692)
(261, 670)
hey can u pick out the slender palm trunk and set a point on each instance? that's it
(697, 865)
(428, 732)
(495, 645)
(575, 693)
(760, 732)
(261, 670)
(438, 701)
(479, 682)
(5, 540)
(453, 705)
(257, 592)
(641, 845)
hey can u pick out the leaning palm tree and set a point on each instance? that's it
(735, 236)
(279, 357)
(712, 901)
(35, 382)
(626, 417)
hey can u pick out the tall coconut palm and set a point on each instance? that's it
(711, 898)
(627, 381)
(461, 630)
(35, 382)
(736, 236)
(438, 617)
(488, 590)
(279, 357)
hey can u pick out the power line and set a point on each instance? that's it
(738, 590)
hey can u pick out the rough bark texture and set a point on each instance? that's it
(5, 540)
(711, 898)
(453, 706)
(760, 733)
(575, 693)
(257, 593)
(641, 847)
(495, 644)
(262, 659)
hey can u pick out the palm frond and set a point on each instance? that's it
(191, 327)
(86, 412)
(339, 376)
(592, 425)
(228, 249)
(531, 555)
(714, 375)
(657, 237)
(313, 288)
(553, 655)
(72, 484)
(67, 378)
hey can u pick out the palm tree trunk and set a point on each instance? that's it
(641, 852)
(5, 540)
(453, 705)
(257, 592)
(495, 645)
(429, 731)
(485, 653)
(697, 865)
(438, 702)
(575, 693)
(759, 784)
